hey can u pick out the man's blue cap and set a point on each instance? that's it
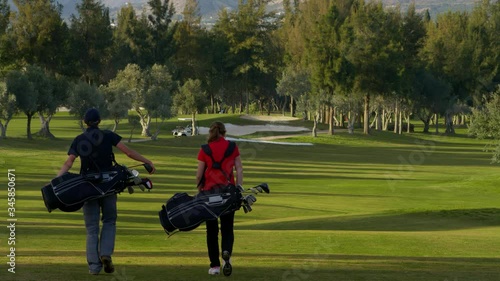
(92, 117)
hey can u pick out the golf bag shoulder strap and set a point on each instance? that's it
(92, 160)
(217, 165)
(229, 150)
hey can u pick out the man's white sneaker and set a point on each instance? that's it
(214, 270)
(227, 268)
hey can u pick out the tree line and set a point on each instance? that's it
(345, 63)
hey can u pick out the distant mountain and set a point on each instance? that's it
(210, 8)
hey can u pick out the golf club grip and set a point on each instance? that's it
(148, 168)
(264, 186)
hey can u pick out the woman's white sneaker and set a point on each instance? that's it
(214, 270)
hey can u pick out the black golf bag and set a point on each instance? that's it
(183, 212)
(70, 191)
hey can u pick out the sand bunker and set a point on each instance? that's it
(271, 142)
(237, 130)
(269, 118)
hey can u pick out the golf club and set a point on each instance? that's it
(263, 187)
(146, 166)
(130, 189)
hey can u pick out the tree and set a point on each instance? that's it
(158, 94)
(482, 31)
(448, 53)
(349, 106)
(7, 110)
(25, 94)
(293, 84)
(6, 48)
(311, 102)
(248, 33)
(162, 29)
(291, 34)
(132, 39)
(326, 46)
(486, 122)
(374, 52)
(39, 33)
(217, 76)
(118, 103)
(413, 34)
(431, 94)
(52, 94)
(125, 37)
(40, 94)
(191, 99)
(130, 81)
(4, 16)
(92, 40)
(149, 90)
(83, 96)
(191, 58)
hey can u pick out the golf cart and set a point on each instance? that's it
(181, 131)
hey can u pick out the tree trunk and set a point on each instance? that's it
(327, 115)
(379, 120)
(248, 103)
(44, 126)
(400, 122)
(331, 115)
(350, 123)
(194, 131)
(28, 127)
(366, 120)
(3, 129)
(283, 108)
(292, 111)
(426, 126)
(131, 134)
(436, 122)
(396, 118)
(145, 122)
(80, 123)
(449, 123)
(375, 120)
(212, 104)
(115, 125)
(315, 126)
(385, 121)
(408, 124)
(426, 120)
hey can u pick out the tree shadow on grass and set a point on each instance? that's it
(418, 221)
(265, 267)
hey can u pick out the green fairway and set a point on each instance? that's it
(350, 207)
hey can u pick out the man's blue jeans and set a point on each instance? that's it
(104, 244)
